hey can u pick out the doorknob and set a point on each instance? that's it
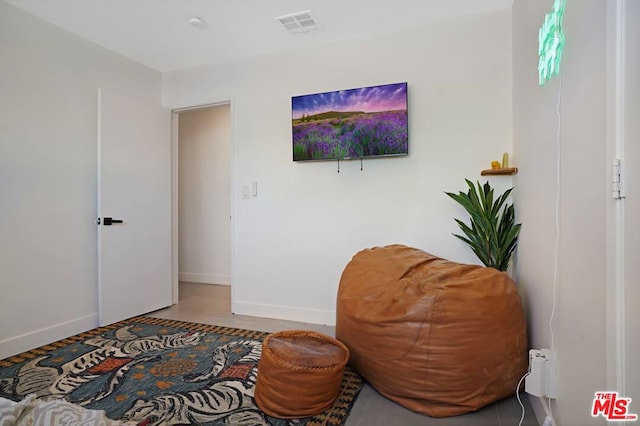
(108, 221)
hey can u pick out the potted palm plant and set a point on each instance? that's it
(493, 233)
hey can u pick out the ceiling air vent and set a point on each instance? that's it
(300, 22)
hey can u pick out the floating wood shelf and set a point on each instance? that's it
(500, 171)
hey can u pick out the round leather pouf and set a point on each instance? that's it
(299, 373)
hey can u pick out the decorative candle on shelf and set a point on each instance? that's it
(505, 160)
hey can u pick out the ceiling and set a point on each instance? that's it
(157, 33)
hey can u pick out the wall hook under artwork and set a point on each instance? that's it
(361, 164)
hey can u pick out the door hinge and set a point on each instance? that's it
(618, 190)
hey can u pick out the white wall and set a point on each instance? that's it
(294, 239)
(48, 93)
(579, 323)
(204, 193)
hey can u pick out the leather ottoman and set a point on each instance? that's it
(299, 373)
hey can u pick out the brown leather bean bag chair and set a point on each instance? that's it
(437, 337)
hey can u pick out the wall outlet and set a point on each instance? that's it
(548, 421)
(541, 380)
(536, 382)
(552, 373)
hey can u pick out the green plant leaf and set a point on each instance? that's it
(492, 233)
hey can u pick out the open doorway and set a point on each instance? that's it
(203, 149)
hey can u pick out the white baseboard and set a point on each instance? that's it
(538, 408)
(313, 316)
(44, 336)
(194, 277)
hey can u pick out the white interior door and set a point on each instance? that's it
(631, 155)
(134, 186)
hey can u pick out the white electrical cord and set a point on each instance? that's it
(547, 407)
(556, 255)
(518, 396)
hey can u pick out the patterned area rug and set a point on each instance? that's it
(159, 372)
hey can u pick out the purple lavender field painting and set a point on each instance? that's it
(355, 123)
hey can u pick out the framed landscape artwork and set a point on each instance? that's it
(354, 123)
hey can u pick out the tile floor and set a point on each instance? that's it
(210, 304)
